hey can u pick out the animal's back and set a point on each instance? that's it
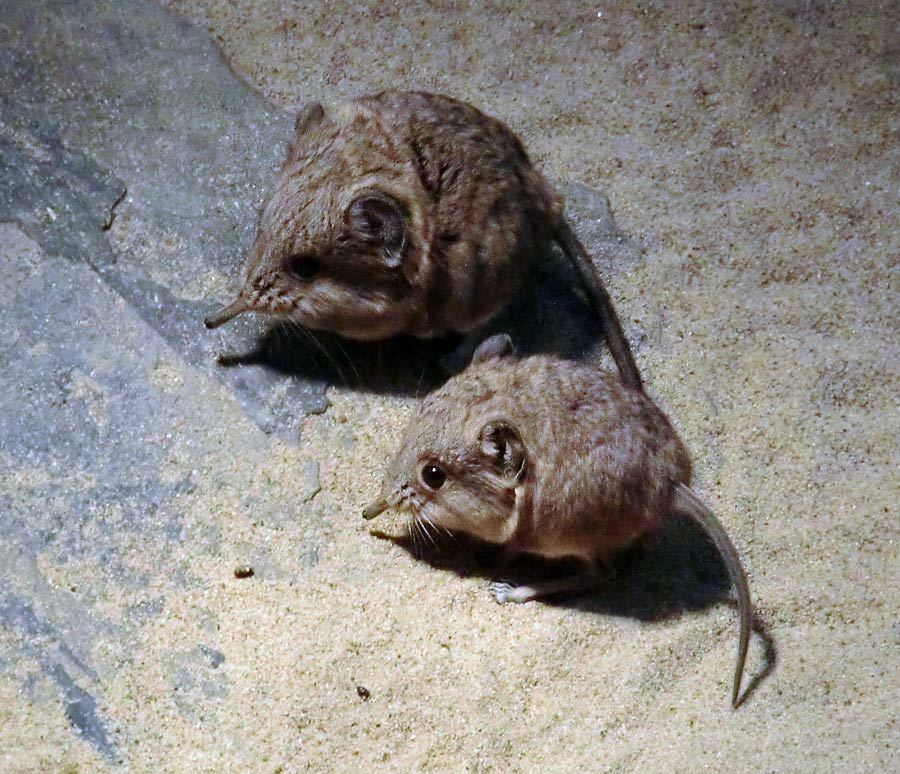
(605, 458)
(489, 211)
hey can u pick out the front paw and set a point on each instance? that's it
(503, 592)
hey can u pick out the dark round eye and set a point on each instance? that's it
(303, 266)
(433, 477)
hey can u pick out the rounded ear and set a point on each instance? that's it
(308, 116)
(498, 346)
(502, 446)
(375, 217)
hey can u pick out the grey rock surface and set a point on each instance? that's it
(90, 423)
(121, 111)
(135, 160)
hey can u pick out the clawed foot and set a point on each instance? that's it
(508, 592)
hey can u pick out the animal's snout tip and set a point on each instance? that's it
(236, 307)
(375, 509)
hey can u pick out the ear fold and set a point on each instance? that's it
(502, 445)
(308, 116)
(498, 346)
(373, 216)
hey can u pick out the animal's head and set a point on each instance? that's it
(462, 465)
(339, 237)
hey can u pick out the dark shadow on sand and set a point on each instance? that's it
(677, 571)
(549, 314)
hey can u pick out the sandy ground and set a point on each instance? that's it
(753, 153)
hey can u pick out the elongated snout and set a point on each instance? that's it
(236, 307)
(376, 508)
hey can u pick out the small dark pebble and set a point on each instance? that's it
(363, 692)
(244, 571)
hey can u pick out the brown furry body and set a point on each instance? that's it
(599, 460)
(553, 458)
(406, 212)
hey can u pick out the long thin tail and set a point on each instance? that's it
(603, 305)
(688, 503)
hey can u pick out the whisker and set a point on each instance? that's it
(440, 529)
(349, 360)
(421, 376)
(411, 529)
(311, 337)
(443, 531)
(286, 340)
(427, 540)
(278, 333)
(423, 523)
(298, 333)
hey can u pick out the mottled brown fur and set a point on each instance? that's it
(599, 459)
(553, 458)
(406, 212)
